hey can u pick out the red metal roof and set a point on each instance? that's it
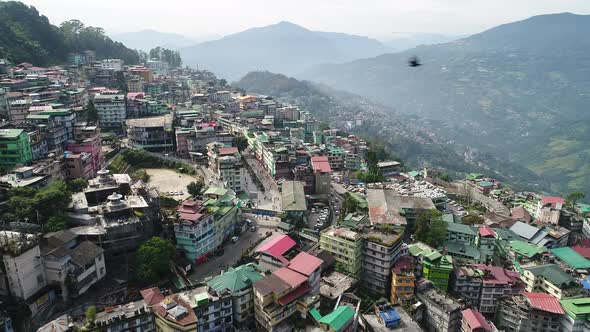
(486, 231)
(404, 263)
(289, 276)
(545, 302)
(228, 151)
(476, 320)
(151, 296)
(583, 251)
(190, 216)
(497, 274)
(294, 294)
(552, 200)
(320, 164)
(277, 246)
(305, 263)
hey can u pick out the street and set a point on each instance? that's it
(270, 199)
(232, 251)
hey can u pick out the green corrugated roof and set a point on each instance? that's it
(413, 174)
(215, 191)
(315, 314)
(574, 307)
(237, 279)
(552, 273)
(526, 249)
(571, 257)
(10, 133)
(360, 200)
(461, 228)
(339, 317)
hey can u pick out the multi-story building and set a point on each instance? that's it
(237, 282)
(474, 321)
(226, 164)
(486, 242)
(73, 266)
(276, 253)
(380, 251)
(435, 266)
(281, 296)
(194, 231)
(134, 84)
(15, 148)
(74, 97)
(577, 314)
(55, 132)
(112, 64)
(87, 140)
(403, 280)
(322, 174)
(153, 133)
(203, 226)
(335, 156)
(346, 247)
(461, 233)
(310, 267)
(293, 201)
(549, 209)
(79, 165)
(18, 109)
(441, 313)
(205, 133)
(23, 265)
(466, 282)
(529, 312)
(496, 283)
(110, 106)
(133, 316)
(548, 278)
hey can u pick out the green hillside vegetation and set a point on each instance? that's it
(28, 36)
(403, 137)
(519, 92)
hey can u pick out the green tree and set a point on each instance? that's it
(194, 188)
(77, 185)
(241, 142)
(472, 219)
(55, 223)
(430, 228)
(153, 259)
(90, 314)
(573, 197)
(91, 112)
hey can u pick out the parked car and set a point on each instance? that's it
(235, 239)
(253, 229)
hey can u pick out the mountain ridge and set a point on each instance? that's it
(282, 47)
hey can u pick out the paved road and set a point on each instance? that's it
(271, 198)
(232, 251)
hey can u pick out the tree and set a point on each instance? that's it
(77, 185)
(573, 197)
(90, 314)
(55, 223)
(472, 219)
(430, 228)
(91, 112)
(153, 259)
(241, 142)
(194, 188)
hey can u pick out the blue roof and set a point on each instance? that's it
(390, 317)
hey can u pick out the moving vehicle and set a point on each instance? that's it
(235, 239)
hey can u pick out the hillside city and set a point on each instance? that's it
(153, 196)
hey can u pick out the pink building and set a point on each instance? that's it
(87, 140)
(79, 165)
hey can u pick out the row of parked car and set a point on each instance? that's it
(323, 219)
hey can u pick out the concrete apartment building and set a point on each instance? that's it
(276, 253)
(549, 278)
(237, 282)
(441, 313)
(474, 321)
(530, 312)
(403, 280)
(380, 252)
(15, 148)
(110, 107)
(153, 134)
(577, 314)
(322, 174)
(346, 247)
(226, 163)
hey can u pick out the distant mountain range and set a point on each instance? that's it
(402, 41)
(519, 91)
(408, 137)
(283, 47)
(147, 39)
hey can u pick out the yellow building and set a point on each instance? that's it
(403, 280)
(548, 278)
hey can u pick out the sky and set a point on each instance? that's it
(374, 18)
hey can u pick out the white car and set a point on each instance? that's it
(235, 239)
